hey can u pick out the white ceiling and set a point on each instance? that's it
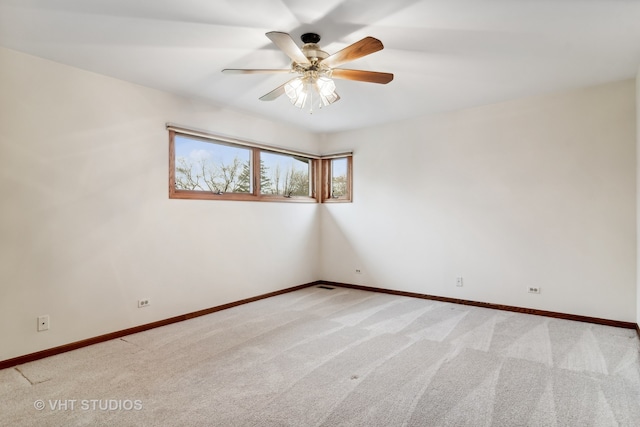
(445, 55)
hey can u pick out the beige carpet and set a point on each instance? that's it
(341, 357)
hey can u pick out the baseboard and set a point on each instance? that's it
(576, 317)
(118, 334)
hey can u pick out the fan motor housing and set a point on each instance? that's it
(310, 48)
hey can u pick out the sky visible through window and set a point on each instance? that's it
(193, 149)
(339, 167)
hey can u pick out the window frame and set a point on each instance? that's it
(314, 164)
(327, 178)
(319, 174)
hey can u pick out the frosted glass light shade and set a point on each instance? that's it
(295, 90)
(327, 90)
(310, 90)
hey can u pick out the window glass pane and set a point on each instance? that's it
(284, 175)
(339, 177)
(211, 166)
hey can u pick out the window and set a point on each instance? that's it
(214, 167)
(204, 166)
(338, 179)
(338, 182)
(284, 175)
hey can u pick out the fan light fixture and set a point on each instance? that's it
(309, 89)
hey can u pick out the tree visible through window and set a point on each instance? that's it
(284, 175)
(211, 167)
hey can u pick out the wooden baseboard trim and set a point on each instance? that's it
(576, 317)
(118, 334)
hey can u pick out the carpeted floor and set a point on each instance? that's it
(341, 357)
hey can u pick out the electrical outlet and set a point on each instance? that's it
(144, 303)
(534, 290)
(459, 282)
(43, 323)
(358, 271)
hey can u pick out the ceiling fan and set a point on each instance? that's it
(316, 69)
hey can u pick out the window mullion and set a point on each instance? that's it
(255, 158)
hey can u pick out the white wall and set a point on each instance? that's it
(638, 190)
(86, 226)
(536, 192)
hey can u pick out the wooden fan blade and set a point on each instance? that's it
(257, 71)
(288, 46)
(364, 47)
(362, 76)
